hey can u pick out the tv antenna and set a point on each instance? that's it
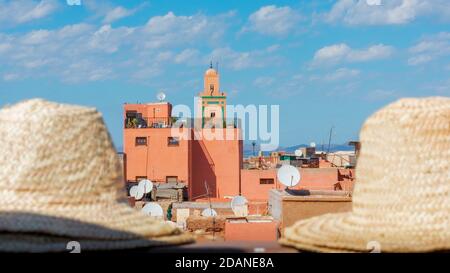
(288, 175)
(329, 139)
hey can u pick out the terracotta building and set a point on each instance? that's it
(153, 152)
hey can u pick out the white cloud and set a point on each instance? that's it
(334, 52)
(381, 94)
(389, 12)
(85, 52)
(273, 20)
(36, 37)
(85, 70)
(108, 13)
(23, 11)
(238, 60)
(342, 73)
(10, 77)
(430, 48)
(188, 56)
(108, 39)
(263, 81)
(172, 30)
(4, 47)
(338, 53)
(117, 13)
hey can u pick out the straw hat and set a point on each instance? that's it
(60, 179)
(401, 200)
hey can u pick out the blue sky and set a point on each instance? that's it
(326, 63)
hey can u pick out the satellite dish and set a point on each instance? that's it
(139, 193)
(288, 175)
(153, 209)
(312, 144)
(298, 152)
(145, 186)
(136, 192)
(161, 96)
(133, 191)
(239, 205)
(208, 212)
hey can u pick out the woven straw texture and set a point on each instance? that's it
(58, 162)
(401, 198)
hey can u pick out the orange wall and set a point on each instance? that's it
(220, 165)
(312, 179)
(218, 162)
(251, 188)
(157, 160)
(154, 111)
(251, 231)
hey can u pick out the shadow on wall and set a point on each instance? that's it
(202, 170)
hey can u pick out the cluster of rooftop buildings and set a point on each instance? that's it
(190, 174)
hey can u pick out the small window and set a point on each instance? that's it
(141, 141)
(266, 181)
(213, 114)
(139, 178)
(173, 141)
(172, 179)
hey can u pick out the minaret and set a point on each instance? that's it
(213, 101)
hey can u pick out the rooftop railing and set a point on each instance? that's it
(169, 122)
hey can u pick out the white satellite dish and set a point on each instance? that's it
(288, 175)
(139, 193)
(161, 96)
(312, 144)
(208, 212)
(136, 192)
(298, 152)
(239, 206)
(153, 209)
(133, 191)
(145, 186)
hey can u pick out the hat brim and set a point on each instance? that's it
(44, 243)
(101, 228)
(344, 232)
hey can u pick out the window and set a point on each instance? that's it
(172, 179)
(213, 114)
(139, 178)
(173, 141)
(266, 181)
(141, 141)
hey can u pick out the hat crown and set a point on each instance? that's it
(56, 154)
(404, 162)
